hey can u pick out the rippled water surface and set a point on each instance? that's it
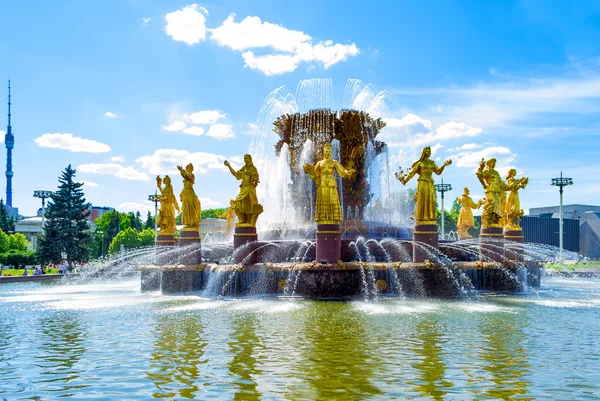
(106, 340)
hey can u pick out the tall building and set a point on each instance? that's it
(9, 141)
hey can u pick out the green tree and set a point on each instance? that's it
(212, 213)
(124, 221)
(66, 228)
(149, 221)
(147, 237)
(3, 241)
(129, 238)
(17, 242)
(450, 217)
(114, 226)
(7, 222)
(134, 221)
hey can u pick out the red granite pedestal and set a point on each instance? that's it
(194, 255)
(241, 237)
(329, 243)
(163, 243)
(426, 234)
(517, 251)
(491, 244)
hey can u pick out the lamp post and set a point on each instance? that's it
(103, 237)
(42, 194)
(154, 198)
(443, 188)
(561, 182)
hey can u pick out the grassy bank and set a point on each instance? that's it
(19, 272)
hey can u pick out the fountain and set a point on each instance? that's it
(363, 253)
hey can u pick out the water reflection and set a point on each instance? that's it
(429, 341)
(505, 355)
(178, 350)
(61, 348)
(8, 370)
(337, 358)
(242, 346)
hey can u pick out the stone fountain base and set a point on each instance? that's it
(341, 281)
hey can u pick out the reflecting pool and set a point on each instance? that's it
(106, 340)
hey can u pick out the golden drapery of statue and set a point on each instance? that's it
(328, 210)
(425, 196)
(190, 204)
(168, 205)
(512, 208)
(495, 195)
(230, 216)
(247, 207)
(465, 217)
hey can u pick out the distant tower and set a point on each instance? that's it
(9, 140)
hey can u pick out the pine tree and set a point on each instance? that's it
(149, 222)
(7, 222)
(66, 229)
(134, 222)
(114, 226)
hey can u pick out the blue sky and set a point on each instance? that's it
(143, 85)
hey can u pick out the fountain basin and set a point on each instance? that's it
(343, 280)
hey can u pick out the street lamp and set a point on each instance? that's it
(443, 188)
(42, 194)
(561, 182)
(154, 198)
(103, 236)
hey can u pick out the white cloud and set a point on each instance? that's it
(453, 130)
(175, 126)
(271, 64)
(435, 148)
(195, 131)
(109, 114)
(504, 157)
(146, 20)
(187, 25)
(164, 161)
(253, 33)
(205, 117)
(90, 184)
(126, 173)
(287, 48)
(466, 146)
(71, 143)
(208, 203)
(221, 131)
(143, 208)
(117, 159)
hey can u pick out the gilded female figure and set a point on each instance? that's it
(512, 208)
(465, 217)
(168, 205)
(425, 197)
(495, 194)
(247, 207)
(328, 210)
(190, 204)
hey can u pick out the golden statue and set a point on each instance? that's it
(328, 210)
(230, 216)
(168, 205)
(465, 217)
(495, 194)
(512, 208)
(425, 196)
(247, 207)
(190, 204)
